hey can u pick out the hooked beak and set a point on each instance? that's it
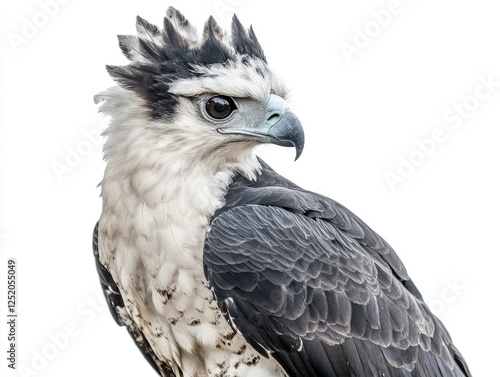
(282, 127)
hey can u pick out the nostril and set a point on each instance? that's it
(273, 118)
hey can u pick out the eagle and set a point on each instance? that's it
(216, 264)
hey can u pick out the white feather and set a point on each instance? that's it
(158, 197)
(255, 80)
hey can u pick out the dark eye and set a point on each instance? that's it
(220, 107)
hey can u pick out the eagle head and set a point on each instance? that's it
(210, 95)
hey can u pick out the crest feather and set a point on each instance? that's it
(172, 37)
(146, 30)
(160, 57)
(245, 42)
(130, 47)
(212, 30)
(182, 25)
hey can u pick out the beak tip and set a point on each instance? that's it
(291, 131)
(298, 152)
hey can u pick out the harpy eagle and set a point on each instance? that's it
(216, 264)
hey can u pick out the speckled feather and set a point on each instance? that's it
(120, 315)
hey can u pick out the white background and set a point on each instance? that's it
(361, 116)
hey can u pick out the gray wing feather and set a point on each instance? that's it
(301, 276)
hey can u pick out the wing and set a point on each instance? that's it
(120, 314)
(308, 283)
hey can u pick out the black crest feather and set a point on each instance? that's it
(161, 57)
(245, 43)
(172, 38)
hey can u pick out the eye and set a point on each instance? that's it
(220, 107)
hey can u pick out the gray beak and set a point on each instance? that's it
(281, 127)
(287, 132)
